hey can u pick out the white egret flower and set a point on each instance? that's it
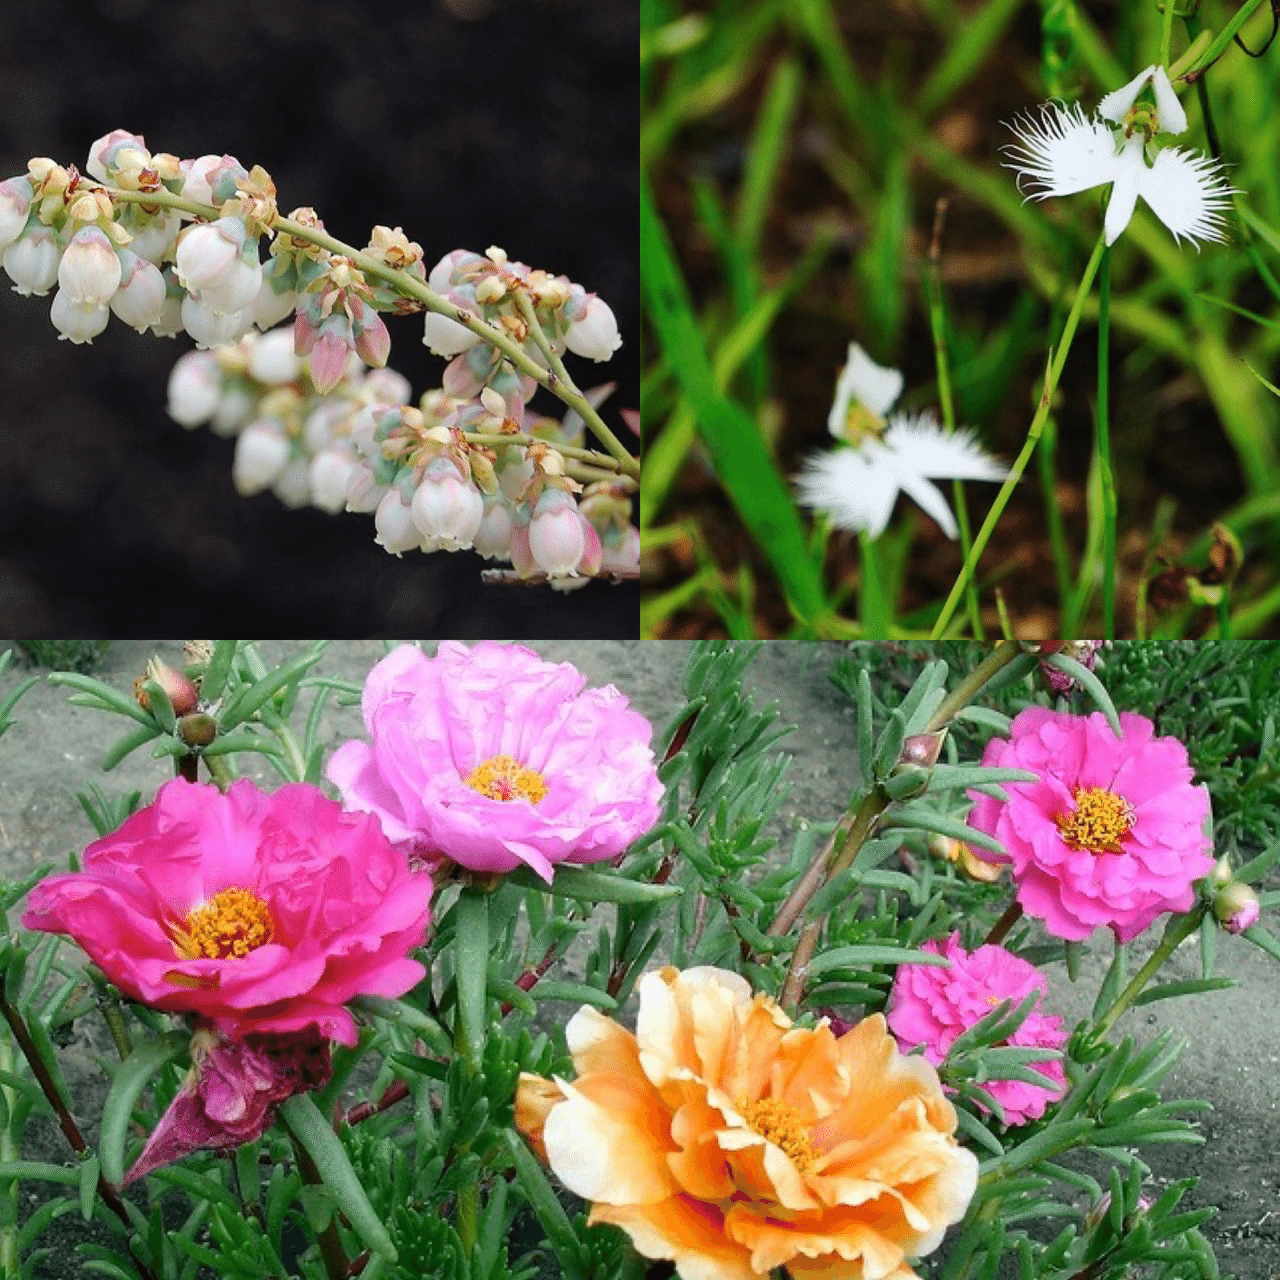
(856, 485)
(1063, 152)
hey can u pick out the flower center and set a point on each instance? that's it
(505, 778)
(780, 1124)
(232, 923)
(861, 424)
(1100, 820)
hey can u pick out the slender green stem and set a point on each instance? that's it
(1166, 32)
(1223, 39)
(1224, 614)
(1047, 457)
(1177, 932)
(10, 1150)
(495, 440)
(219, 771)
(969, 688)
(872, 609)
(1052, 375)
(411, 287)
(1104, 447)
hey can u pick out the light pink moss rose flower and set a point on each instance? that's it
(932, 1006)
(258, 913)
(1113, 833)
(494, 758)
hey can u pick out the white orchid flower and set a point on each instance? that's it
(1063, 152)
(856, 486)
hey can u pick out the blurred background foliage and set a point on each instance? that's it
(794, 154)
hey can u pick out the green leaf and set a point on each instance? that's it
(88, 1186)
(471, 957)
(317, 1137)
(38, 1171)
(922, 819)
(546, 1205)
(577, 991)
(245, 740)
(126, 1088)
(131, 741)
(249, 700)
(594, 886)
(1089, 683)
(215, 675)
(859, 954)
(738, 452)
(1263, 940)
(94, 693)
(1167, 990)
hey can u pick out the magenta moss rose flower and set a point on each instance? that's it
(493, 758)
(1113, 834)
(933, 1007)
(258, 913)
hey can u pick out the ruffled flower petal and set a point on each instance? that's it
(1061, 152)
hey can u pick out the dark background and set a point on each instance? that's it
(516, 128)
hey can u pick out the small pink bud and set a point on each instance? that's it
(105, 151)
(556, 537)
(329, 354)
(447, 508)
(596, 334)
(394, 522)
(1085, 652)
(15, 204)
(195, 386)
(211, 179)
(76, 321)
(139, 301)
(262, 452)
(373, 342)
(591, 550)
(31, 261)
(1236, 907)
(179, 688)
(923, 749)
(386, 386)
(271, 358)
(521, 557)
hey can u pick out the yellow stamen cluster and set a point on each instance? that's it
(780, 1124)
(1099, 822)
(860, 424)
(232, 923)
(505, 778)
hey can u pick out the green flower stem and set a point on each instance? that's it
(219, 772)
(1166, 32)
(471, 952)
(1103, 445)
(556, 361)
(969, 688)
(495, 440)
(1177, 932)
(1052, 375)
(872, 610)
(10, 1264)
(411, 287)
(1053, 512)
(1222, 40)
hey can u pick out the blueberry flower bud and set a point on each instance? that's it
(329, 354)
(208, 253)
(445, 337)
(31, 261)
(211, 329)
(493, 535)
(620, 552)
(447, 508)
(262, 451)
(89, 272)
(394, 522)
(77, 321)
(596, 334)
(154, 238)
(195, 385)
(364, 493)
(556, 535)
(271, 358)
(328, 477)
(107, 150)
(139, 301)
(270, 307)
(15, 204)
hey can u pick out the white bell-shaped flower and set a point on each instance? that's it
(1062, 151)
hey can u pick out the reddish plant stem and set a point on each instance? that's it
(531, 977)
(395, 1092)
(1012, 914)
(187, 766)
(337, 1265)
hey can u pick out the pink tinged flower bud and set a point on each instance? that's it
(207, 253)
(329, 354)
(262, 453)
(154, 239)
(446, 507)
(206, 178)
(235, 407)
(31, 261)
(15, 204)
(521, 557)
(493, 534)
(306, 330)
(139, 301)
(373, 342)
(328, 477)
(195, 386)
(103, 154)
(556, 536)
(271, 358)
(89, 272)
(170, 323)
(1237, 908)
(591, 551)
(514, 476)
(445, 337)
(394, 522)
(596, 334)
(270, 307)
(77, 321)
(293, 485)
(237, 291)
(451, 268)
(387, 386)
(211, 329)
(364, 493)
(621, 554)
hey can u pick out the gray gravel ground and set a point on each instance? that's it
(1233, 1038)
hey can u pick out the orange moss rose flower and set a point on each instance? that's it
(724, 1139)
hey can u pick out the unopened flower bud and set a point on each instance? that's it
(105, 151)
(89, 272)
(195, 385)
(1085, 652)
(139, 301)
(1237, 907)
(329, 354)
(956, 851)
(270, 307)
(1222, 874)
(364, 493)
(393, 520)
(178, 688)
(154, 238)
(596, 334)
(262, 452)
(447, 508)
(77, 321)
(208, 252)
(445, 337)
(491, 289)
(210, 328)
(620, 553)
(31, 261)
(556, 537)
(197, 729)
(271, 358)
(386, 386)
(293, 485)
(15, 204)
(493, 534)
(923, 749)
(373, 342)
(203, 175)
(328, 476)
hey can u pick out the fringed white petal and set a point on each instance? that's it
(928, 497)
(1115, 106)
(1169, 111)
(1062, 152)
(850, 488)
(870, 384)
(1131, 171)
(1187, 191)
(921, 446)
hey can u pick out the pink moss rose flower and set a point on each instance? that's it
(494, 758)
(258, 913)
(230, 1094)
(1113, 834)
(932, 1006)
